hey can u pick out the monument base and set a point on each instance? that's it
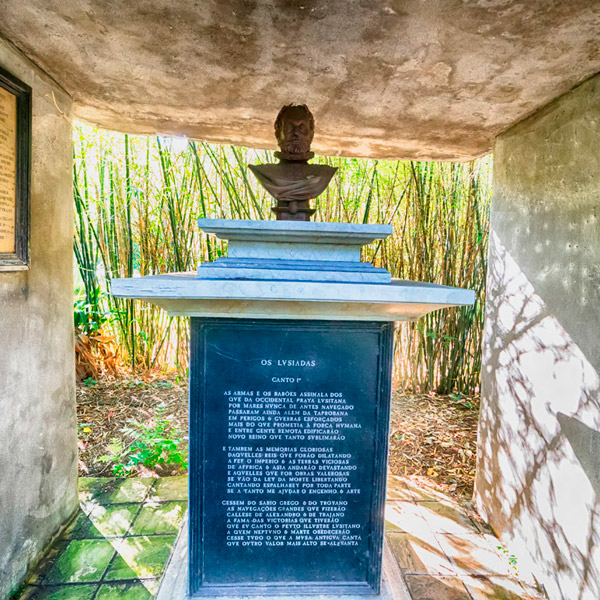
(174, 583)
(290, 388)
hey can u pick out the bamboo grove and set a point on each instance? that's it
(137, 201)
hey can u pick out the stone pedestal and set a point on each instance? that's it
(174, 583)
(290, 385)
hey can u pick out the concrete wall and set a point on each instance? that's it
(38, 443)
(538, 475)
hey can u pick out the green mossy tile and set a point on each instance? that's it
(152, 585)
(89, 487)
(74, 524)
(45, 564)
(124, 591)
(81, 561)
(140, 557)
(170, 488)
(163, 518)
(104, 490)
(86, 484)
(104, 521)
(132, 490)
(63, 592)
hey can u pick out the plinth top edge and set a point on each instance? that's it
(179, 286)
(185, 294)
(295, 232)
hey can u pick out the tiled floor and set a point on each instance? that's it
(445, 553)
(119, 543)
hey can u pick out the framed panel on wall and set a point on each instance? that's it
(15, 172)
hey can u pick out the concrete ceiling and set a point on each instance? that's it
(384, 78)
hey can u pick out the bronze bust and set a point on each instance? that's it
(292, 181)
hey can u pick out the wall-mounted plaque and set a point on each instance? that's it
(15, 152)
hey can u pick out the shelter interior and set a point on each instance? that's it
(449, 80)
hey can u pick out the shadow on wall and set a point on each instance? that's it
(586, 446)
(538, 475)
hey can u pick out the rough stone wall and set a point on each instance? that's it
(38, 449)
(538, 475)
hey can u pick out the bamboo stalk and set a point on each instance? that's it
(141, 218)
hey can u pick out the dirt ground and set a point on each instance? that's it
(431, 437)
(107, 407)
(435, 437)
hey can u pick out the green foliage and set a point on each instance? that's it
(160, 443)
(465, 402)
(512, 559)
(90, 317)
(137, 203)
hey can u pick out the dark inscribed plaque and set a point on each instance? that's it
(288, 444)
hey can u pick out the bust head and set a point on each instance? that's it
(294, 130)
